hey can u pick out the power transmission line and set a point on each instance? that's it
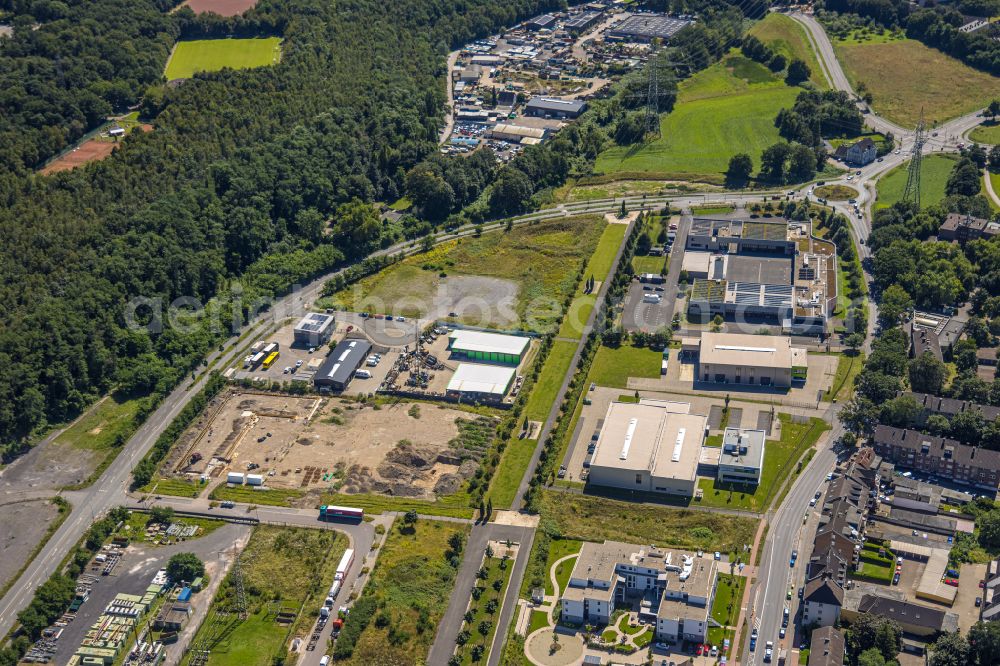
(912, 191)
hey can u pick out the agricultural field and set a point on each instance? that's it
(592, 518)
(786, 36)
(904, 76)
(504, 280)
(934, 172)
(726, 109)
(395, 619)
(780, 457)
(211, 55)
(986, 133)
(284, 571)
(600, 265)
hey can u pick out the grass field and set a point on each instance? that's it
(835, 192)
(543, 260)
(507, 477)
(786, 36)
(211, 55)
(591, 518)
(986, 133)
(411, 584)
(173, 487)
(613, 366)
(600, 265)
(647, 264)
(905, 76)
(848, 368)
(247, 494)
(726, 109)
(283, 568)
(102, 432)
(571, 192)
(934, 172)
(779, 458)
(726, 606)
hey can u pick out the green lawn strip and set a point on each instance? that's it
(598, 267)
(876, 572)
(934, 172)
(848, 367)
(546, 389)
(644, 639)
(496, 570)
(835, 192)
(510, 472)
(994, 177)
(284, 570)
(558, 549)
(210, 55)
(988, 132)
(726, 109)
(539, 620)
(410, 587)
(906, 78)
(593, 518)
(543, 260)
(788, 37)
(450, 506)
(563, 572)
(64, 510)
(711, 210)
(248, 495)
(779, 458)
(728, 597)
(173, 487)
(613, 366)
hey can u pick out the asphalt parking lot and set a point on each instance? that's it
(640, 315)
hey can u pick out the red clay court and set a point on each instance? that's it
(89, 151)
(220, 7)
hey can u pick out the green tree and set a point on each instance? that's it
(927, 374)
(161, 514)
(185, 566)
(410, 519)
(984, 642)
(739, 171)
(798, 71)
(511, 193)
(964, 179)
(854, 342)
(950, 650)
(895, 303)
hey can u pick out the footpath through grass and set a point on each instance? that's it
(593, 518)
(211, 55)
(904, 76)
(726, 109)
(600, 264)
(403, 602)
(285, 571)
(780, 458)
(934, 172)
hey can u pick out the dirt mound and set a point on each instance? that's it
(447, 484)
(412, 456)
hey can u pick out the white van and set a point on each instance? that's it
(362, 374)
(325, 660)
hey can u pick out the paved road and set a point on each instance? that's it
(449, 116)
(451, 622)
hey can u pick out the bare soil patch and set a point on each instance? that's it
(220, 7)
(89, 151)
(22, 527)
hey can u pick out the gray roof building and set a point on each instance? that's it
(554, 107)
(339, 367)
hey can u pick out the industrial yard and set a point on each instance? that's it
(396, 447)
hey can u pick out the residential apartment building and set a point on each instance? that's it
(963, 228)
(940, 456)
(827, 647)
(673, 589)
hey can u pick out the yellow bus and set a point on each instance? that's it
(269, 361)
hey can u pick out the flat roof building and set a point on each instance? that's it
(649, 447)
(516, 133)
(647, 27)
(339, 367)
(553, 107)
(742, 457)
(673, 588)
(474, 381)
(764, 360)
(487, 347)
(582, 22)
(314, 329)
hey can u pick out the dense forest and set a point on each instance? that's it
(239, 179)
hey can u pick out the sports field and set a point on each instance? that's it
(727, 109)
(211, 55)
(986, 133)
(786, 36)
(905, 76)
(934, 172)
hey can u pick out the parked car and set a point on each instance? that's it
(781, 632)
(951, 581)
(979, 602)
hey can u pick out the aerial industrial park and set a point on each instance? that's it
(497, 333)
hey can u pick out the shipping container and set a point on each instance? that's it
(234, 477)
(255, 480)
